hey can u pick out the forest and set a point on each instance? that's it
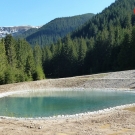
(19, 61)
(55, 29)
(105, 43)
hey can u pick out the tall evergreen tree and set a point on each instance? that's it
(10, 50)
(125, 53)
(3, 62)
(37, 52)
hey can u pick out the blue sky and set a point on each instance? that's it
(39, 12)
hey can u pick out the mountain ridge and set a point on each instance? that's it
(55, 29)
(15, 30)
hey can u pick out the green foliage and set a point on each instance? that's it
(30, 67)
(19, 61)
(39, 74)
(125, 53)
(3, 62)
(105, 43)
(37, 52)
(55, 29)
(20, 76)
(10, 50)
(10, 75)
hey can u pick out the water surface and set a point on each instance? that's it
(53, 103)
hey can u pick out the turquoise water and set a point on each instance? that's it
(44, 104)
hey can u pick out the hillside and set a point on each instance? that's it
(118, 14)
(55, 29)
(105, 43)
(26, 33)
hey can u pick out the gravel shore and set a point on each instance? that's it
(118, 121)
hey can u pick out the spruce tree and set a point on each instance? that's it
(39, 74)
(3, 62)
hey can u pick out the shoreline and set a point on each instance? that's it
(79, 115)
(118, 120)
(5, 94)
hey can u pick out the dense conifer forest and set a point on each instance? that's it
(105, 43)
(55, 29)
(19, 61)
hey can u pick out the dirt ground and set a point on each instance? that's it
(113, 122)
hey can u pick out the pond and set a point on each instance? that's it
(53, 103)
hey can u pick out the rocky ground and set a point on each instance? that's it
(116, 122)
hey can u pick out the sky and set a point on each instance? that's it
(39, 12)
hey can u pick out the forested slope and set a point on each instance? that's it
(27, 33)
(19, 61)
(55, 29)
(105, 43)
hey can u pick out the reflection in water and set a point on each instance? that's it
(50, 103)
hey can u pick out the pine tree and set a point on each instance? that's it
(10, 50)
(125, 57)
(82, 50)
(30, 65)
(9, 43)
(133, 47)
(3, 62)
(47, 57)
(39, 74)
